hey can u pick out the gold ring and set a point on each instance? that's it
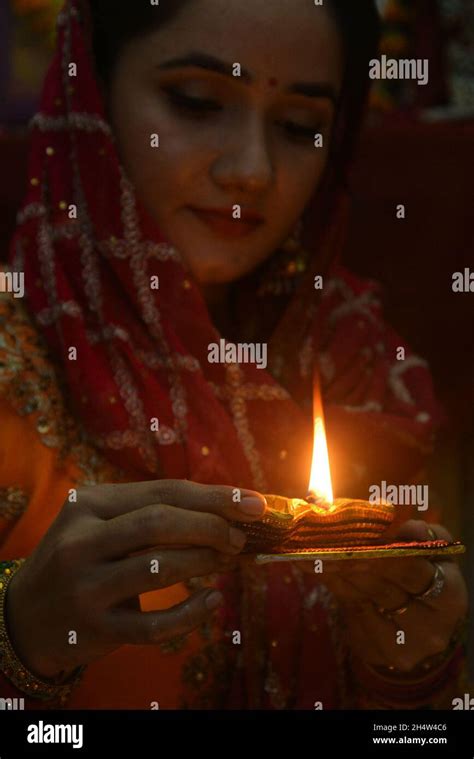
(389, 612)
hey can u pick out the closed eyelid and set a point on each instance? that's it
(213, 66)
(172, 89)
(221, 86)
(201, 104)
(292, 107)
(183, 78)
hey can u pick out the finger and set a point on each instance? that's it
(417, 529)
(344, 591)
(379, 590)
(441, 532)
(429, 625)
(398, 639)
(374, 635)
(453, 597)
(314, 568)
(143, 628)
(415, 635)
(152, 571)
(166, 526)
(377, 639)
(334, 566)
(410, 575)
(365, 636)
(112, 500)
(346, 567)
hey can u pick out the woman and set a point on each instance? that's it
(138, 452)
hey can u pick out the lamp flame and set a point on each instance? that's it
(320, 485)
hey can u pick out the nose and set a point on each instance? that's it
(245, 162)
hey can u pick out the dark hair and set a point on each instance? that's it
(360, 27)
(114, 24)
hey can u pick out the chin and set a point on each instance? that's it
(217, 274)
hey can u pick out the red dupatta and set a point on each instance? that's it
(142, 353)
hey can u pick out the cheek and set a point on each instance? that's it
(158, 173)
(299, 181)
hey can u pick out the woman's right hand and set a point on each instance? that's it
(82, 577)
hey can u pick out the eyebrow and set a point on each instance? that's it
(210, 63)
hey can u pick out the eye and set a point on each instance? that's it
(196, 107)
(300, 133)
(192, 105)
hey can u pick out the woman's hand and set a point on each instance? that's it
(83, 578)
(366, 589)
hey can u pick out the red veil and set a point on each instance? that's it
(142, 353)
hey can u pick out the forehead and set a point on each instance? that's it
(291, 40)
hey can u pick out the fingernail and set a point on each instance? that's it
(213, 599)
(237, 537)
(252, 505)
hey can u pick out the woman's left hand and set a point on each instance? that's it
(368, 590)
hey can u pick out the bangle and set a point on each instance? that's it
(10, 664)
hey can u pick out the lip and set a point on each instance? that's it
(221, 222)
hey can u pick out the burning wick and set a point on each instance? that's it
(317, 500)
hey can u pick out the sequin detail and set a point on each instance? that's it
(13, 502)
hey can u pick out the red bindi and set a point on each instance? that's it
(272, 82)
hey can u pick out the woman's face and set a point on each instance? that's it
(228, 140)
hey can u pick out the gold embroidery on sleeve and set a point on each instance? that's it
(13, 502)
